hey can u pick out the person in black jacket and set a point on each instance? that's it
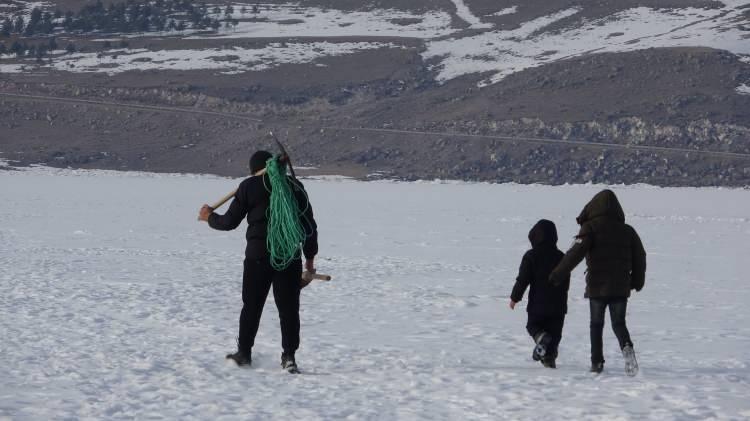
(616, 264)
(548, 303)
(251, 202)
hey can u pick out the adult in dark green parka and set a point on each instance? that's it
(616, 264)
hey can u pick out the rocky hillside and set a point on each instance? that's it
(551, 92)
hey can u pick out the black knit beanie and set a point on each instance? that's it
(258, 161)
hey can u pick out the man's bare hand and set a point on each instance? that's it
(512, 305)
(310, 265)
(205, 212)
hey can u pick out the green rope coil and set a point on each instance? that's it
(285, 230)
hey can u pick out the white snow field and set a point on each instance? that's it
(115, 303)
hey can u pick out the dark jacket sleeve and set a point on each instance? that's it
(234, 215)
(638, 258)
(525, 275)
(574, 256)
(310, 244)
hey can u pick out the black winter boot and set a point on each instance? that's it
(242, 358)
(597, 367)
(543, 341)
(288, 363)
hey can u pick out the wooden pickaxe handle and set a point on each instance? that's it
(315, 276)
(226, 198)
(308, 277)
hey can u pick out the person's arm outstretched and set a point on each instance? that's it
(573, 257)
(231, 219)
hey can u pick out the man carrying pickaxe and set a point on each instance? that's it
(264, 264)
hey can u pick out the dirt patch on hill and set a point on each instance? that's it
(671, 85)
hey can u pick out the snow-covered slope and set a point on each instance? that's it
(452, 51)
(531, 45)
(115, 303)
(226, 61)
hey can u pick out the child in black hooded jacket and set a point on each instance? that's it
(548, 303)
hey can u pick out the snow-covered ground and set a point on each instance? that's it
(116, 303)
(463, 11)
(506, 11)
(224, 60)
(294, 20)
(505, 52)
(15, 8)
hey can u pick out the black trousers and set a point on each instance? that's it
(257, 278)
(552, 325)
(617, 309)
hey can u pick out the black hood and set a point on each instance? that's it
(543, 233)
(604, 203)
(258, 161)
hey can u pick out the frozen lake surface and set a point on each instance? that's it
(116, 303)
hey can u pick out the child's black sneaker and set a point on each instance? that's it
(543, 341)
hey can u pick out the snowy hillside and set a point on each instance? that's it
(490, 47)
(115, 303)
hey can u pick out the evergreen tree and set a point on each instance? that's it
(3, 49)
(36, 16)
(41, 51)
(142, 24)
(7, 28)
(19, 26)
(29, 31)
(68, 21)
(159, 23)
(52, 45)
(47, 26)
(17, 49)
